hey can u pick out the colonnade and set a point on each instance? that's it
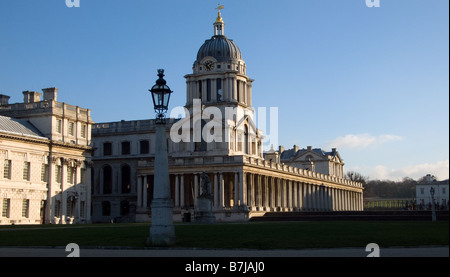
(258, 192)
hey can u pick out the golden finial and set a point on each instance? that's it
(219, 17)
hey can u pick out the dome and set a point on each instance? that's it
(221, 48)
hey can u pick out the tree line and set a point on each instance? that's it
(406, 188)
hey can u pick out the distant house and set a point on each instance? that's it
(312, 159)
(423, 192)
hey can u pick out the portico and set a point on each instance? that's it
(241, 192)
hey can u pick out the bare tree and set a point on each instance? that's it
(355, 176)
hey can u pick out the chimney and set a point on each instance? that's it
(333, 150)
(309, 148)
(50, 93)
(296, 148)
(280, 149)
(31, 96)
(4, 99)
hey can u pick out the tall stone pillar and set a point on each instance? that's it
(162, 231)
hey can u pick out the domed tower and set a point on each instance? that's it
(219, 82)
(219, 73)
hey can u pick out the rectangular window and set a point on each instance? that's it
(200, 89)
(83, 130)
(126, 147)
(208, 90)
(144, 147)
(44, 173)
(25, 208)
(5, 207)
(57, 208)
(71, 128)
(58, 174)
(58, 126)
(107, 149)
(26, 171)
(7, 169)
(219, 89)
(238, 91)
(70, 174)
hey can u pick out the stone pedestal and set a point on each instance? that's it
(203, 210)
(162, 232)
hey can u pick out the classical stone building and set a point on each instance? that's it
(46, 156)
(217, 136)
(424, 196)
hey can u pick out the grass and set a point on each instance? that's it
(270, 235)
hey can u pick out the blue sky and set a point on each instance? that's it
(372, 82)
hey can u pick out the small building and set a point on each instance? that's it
(424, 195)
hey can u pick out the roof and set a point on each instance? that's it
(291, 153)
(221, 48)
(19, 127)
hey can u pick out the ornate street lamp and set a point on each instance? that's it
(433, 209)
(161, 96)
(162, 232)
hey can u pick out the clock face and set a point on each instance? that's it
(209, 65)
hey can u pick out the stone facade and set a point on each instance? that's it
(441, 195)
(245, 182)
(47, 178)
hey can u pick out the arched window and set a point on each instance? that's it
(126, 179)
(246, 140)
(107, 179)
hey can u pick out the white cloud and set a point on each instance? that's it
(361, 140)
(439, 169)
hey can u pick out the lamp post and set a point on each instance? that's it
(433, 209)
(162, 232)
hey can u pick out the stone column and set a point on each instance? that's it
(236, 189)
(300, 196)
(266, 193)
(295, 194)
(50, 208)
(221, 191)
(250, 190)
(139, 191)
(89, 186)
(182, 203)
(63, 191)
(242, 188)
(144, 192)
(216, 191)
(177, 190)
(195, 186)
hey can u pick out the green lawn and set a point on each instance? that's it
(273, 235)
